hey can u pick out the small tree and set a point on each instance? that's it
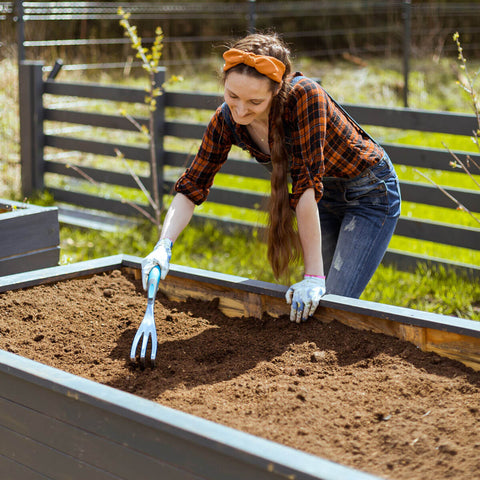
(150, 62)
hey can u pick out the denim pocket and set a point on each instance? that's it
(364, 190)
(371, 185)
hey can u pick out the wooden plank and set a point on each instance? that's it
(95, 220)
(407, 261)
(30, 261)
(98, 148)
(10, 469)
(185, 130)
(117, 207)
(83, 445)
(95, 90)
(101, 176)
(431, 195)
(233, 166)
(31, 126)
(27, 229)
(423, 157)
(60, 273)
(228, 196)
(456, 235)
(455, 346)
(49, 462)
(118, 122)
(195, 447)
(414, 119)
(462, 348)
(200, 101)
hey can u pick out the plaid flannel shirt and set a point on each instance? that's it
(321, 140)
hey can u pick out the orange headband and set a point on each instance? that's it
(271, 67)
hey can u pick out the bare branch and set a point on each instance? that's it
(465, 169)
(451, 197)
(136, 178)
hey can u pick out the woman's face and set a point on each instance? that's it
(248, 97)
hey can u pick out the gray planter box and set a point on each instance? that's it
(60, 426)
(29, 237)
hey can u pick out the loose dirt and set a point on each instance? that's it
(362, 399)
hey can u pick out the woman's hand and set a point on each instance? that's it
(304, 297)
(161, 255)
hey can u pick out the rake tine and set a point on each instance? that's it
(133, 350)
(147, 329)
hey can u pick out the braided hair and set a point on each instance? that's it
(282, 238)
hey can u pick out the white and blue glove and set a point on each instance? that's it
(304, 297)
(161, 255)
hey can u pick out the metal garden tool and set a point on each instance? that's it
(147, 328)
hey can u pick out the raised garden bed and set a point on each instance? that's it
(238, 390)
(29, 237)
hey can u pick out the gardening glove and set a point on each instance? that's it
(305, 297)
(160, 256)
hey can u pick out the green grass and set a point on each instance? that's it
(432, 87)
(244, 255)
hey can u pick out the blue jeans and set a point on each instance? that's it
(357, 217)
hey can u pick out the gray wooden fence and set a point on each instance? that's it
(34, 140)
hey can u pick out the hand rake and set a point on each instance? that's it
(147, 328)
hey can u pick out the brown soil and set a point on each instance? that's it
(362, 399)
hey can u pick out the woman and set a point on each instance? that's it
(345, 197)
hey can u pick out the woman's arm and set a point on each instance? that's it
(178, 217)
(305, 296)
(309, 231)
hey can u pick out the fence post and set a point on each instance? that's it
(20, 31)
(159, 132)
(31, 126)
(252, 16)
(407, 33)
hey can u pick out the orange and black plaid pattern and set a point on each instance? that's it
(321, 140)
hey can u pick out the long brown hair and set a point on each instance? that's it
(282, 238)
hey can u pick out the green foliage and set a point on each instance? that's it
(432, 290)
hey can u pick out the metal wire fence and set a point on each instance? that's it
(315, 28)
(87, 35)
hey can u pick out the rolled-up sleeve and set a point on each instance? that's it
(309, 112)
(197, 179)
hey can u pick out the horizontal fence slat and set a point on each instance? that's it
(455, 235)
(431, 195)
(115, 207)
(95, 90)
(95, 147)
(422, 157)
(118, 122)
(184, 130)
(229, 196)
(233, 166)
(237, 198)
(199, 101)
(409, 262)
(101, 176)
(411, 119)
